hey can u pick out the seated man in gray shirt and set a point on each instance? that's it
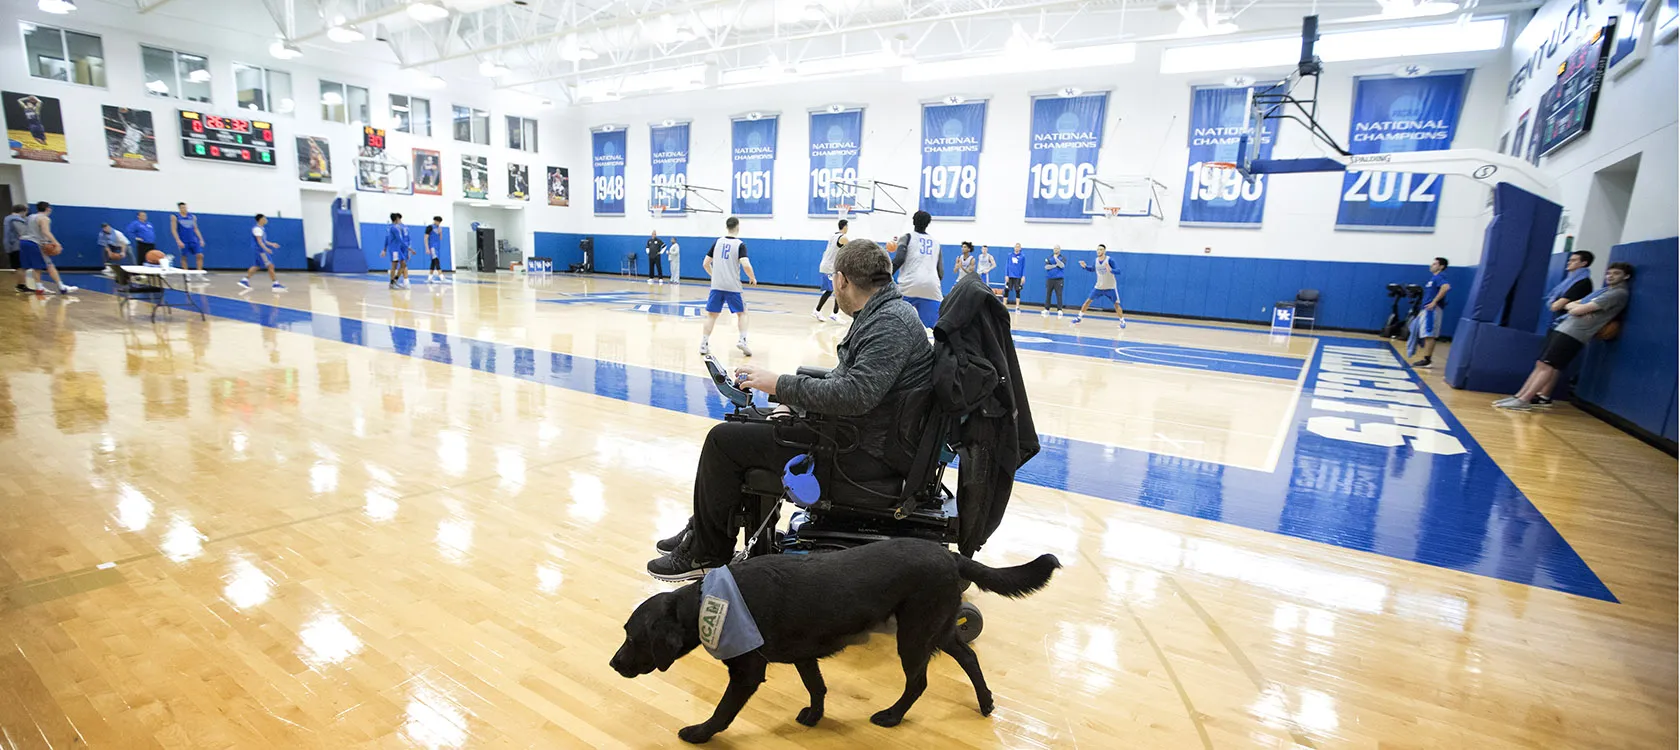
(884, 357)
(1585, 319)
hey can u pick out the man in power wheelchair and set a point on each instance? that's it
(862, 448)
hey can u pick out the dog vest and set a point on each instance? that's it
(727, 629)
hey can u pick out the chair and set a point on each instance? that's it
(127, 289)
(628, 266)
(1305, 307)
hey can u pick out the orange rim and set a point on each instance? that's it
(1221, 164)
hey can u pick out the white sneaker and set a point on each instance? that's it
(834, 317)
(1045, 312)
(705, 347)
(277, 287)
(742, 345)
(66, 288)
(107, 272)
(817, 315)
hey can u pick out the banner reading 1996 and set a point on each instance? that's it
(952, 136)
(753, 153)
(1066, 136)
(1215, 196)
(607, 154)
(669, 145)
(1398, 115)
(835, 145)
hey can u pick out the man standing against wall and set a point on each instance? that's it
(1427, 326)
(143, 235)
(1583, 321)
(656, 259)
(1014, 276)
(1055, 271)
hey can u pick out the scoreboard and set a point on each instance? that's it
(217, 138)
(1568, 107)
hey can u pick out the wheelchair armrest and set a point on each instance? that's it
(814, 372)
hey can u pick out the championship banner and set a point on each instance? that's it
(559, 187)
(1066, 137)
(669, 146)
(1215, 197)
(475, 177)
(34, 127)
(836, 138)
(314, 158)
(1399, 115)
(428, 172)
(129, 140)
(607, 154)
(952, 136)
(753, 152)
(518, 182)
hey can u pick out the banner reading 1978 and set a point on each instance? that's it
(952, 135)
(753, 153)
(607, 153)
(1066, 137)
(835, 139)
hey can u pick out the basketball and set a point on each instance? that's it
(1610, 331)
(154, 257)
(50, 249)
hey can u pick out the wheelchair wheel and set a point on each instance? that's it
(969, 622)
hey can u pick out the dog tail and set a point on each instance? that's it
(1016, 582)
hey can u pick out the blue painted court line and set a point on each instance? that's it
(1166, 355)
(1388, 471)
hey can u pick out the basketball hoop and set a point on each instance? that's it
(1220, 164)
(1112, 211)
(657, 210)
(844, 209)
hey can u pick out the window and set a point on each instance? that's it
(472, 125)
(176, 74)
(522, 133)
(263, 90)
(411, 114)
(341, 103)
(62, 55)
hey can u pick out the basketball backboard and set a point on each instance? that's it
(1127, 196)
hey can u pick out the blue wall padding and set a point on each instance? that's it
(1510, 278)
(1504, 357)
(227, 237)
(1199, 286)
(1634, 376)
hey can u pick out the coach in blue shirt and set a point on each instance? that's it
(1014, 275)
(141, 232)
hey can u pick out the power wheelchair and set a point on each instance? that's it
(833, 512)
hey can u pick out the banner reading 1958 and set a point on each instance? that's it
(952, 136)
(669, 145)
(1398, 115)
(835, 145)
(753, 153)
(1066, 136)
(607, 153)
(1214, 196)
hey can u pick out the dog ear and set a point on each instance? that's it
(667, 633)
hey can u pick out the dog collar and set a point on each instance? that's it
(727, 628)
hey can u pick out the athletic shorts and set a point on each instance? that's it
(191, 248)
(827, 284)
(31, 257)
(926, 309)
(1429, 323)
(1014, 282)
(1102, 294)
(260, 259)
(399, 256)
(1560, 349)
(718, 299)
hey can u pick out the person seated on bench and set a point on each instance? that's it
(884, 356)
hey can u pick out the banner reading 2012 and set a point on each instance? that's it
(835, 140)
(1398, 115)
(1066, 136)
(607, 153)
(1213, 196)
(669, 145)
(952, 136)
(753, 152)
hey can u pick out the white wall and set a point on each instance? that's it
(1146, 134)
(1638, 114)
(236, 189)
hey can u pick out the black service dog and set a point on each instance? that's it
(810, 606)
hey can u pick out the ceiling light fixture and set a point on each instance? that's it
(427, 11)
(284, 50)
(493, 69)
(57, 7)
(345, 34)
(1414, 8)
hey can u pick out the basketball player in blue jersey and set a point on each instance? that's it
(915, 258)
(825, 269)
(187, 237)
(1106, 288)
(725, 262)
(397, 244)
(261, 250)
(434, 243)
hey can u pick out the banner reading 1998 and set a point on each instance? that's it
(1398, 115)
(607, 154)
(1221, 197)
(1066, 136)
(753, 152)
(669, 145)
(952, 136)
(835, 139)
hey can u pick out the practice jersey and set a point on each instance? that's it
(826, 266)
(434, 237)
(1433, 288)
(187, 227)
(726, 255)
(919, 276)
(1105, 272)
(257, 244)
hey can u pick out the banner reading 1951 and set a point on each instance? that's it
(607, 154)
(669, 144)
(1214, 196)
(753, 152)
(1398, 115)
(1066, 136)
(952, 136)
(835, 145)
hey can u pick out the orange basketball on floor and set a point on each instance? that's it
(50, 249)
(154, 257)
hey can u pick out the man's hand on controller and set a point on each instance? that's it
(756, 378)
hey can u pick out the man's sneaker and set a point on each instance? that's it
(1542, 402)
(24, 288)
(66, 288)
(277, 287)
(1122, 322)
(671, 543)
(1424, 364)
(817, 315)
(678, 566)
(705, 347)
(1077, 319)
(107, 272)
(1045, 312)
(1512, 404)
(742, 345)
(834, 317)
(1502, 402)
(245, 283)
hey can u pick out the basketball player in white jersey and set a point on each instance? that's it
(825, 269)
(916, 261)
(725, 262)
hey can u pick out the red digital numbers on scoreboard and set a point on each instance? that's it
(198, 126)
(373, 138)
